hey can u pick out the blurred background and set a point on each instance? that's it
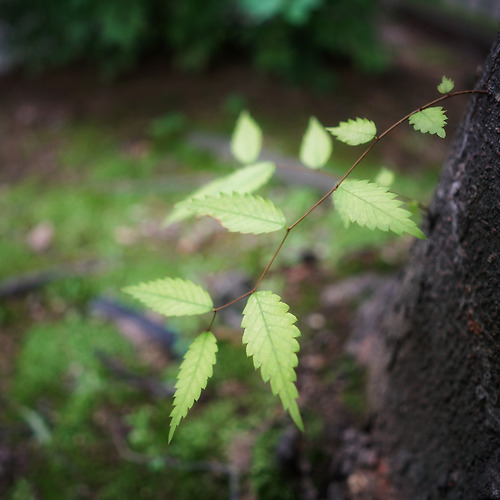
(110, 112)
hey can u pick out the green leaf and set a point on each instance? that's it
(373, 206)
(446, 85)
(246, 142)
(430, 120)
(270, 335)
(316, 145)
(385, 177)
(244, 180)
(194, 372)
(354, 132)
(172, 297)
(240, 212)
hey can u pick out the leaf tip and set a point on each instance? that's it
(296, 417)
(420, 235)
(171, 433)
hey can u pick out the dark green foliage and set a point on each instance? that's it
(196, 32)
(62, 31)
(292, 39)
(300, 50)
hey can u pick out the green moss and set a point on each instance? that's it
(84, 144)
(267, 479)
(55, 355)
(22, 490)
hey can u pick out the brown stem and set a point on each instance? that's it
(339, 182)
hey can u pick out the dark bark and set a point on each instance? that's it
(435, 378)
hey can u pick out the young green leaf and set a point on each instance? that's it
(194, 372)
(239, 212)
(244, 180)
(316, 145)
(270, 335)
(373, 206)
(246, 142)
(354, 132)
(446, 85)
(385, 177)
(172, 297)
(430, 120)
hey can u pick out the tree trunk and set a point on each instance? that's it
(435, 378)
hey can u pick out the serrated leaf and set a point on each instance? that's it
(373, 206)
(194, 372)
(246, 141)
(244, 180)
(316, 145)
(240, 212)
(270, 336)
(431, 120)
(354, 132)
(385, 177)
(172, 297)
(446, 85)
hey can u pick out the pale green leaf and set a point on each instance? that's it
(172, 297)
(446, 85)
(246, 141)
(373, 206)
(240, 212)
(354, 132)
(270, 336)
(431, 120)
(385, 177)
(194, 372)
(316, 145)
(244, 180)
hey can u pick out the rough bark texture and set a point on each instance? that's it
(435, 381)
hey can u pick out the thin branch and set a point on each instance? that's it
(263, 275)
(217, 309)
(339, 182)
(430, 104)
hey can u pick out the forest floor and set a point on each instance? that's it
(67, 201)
